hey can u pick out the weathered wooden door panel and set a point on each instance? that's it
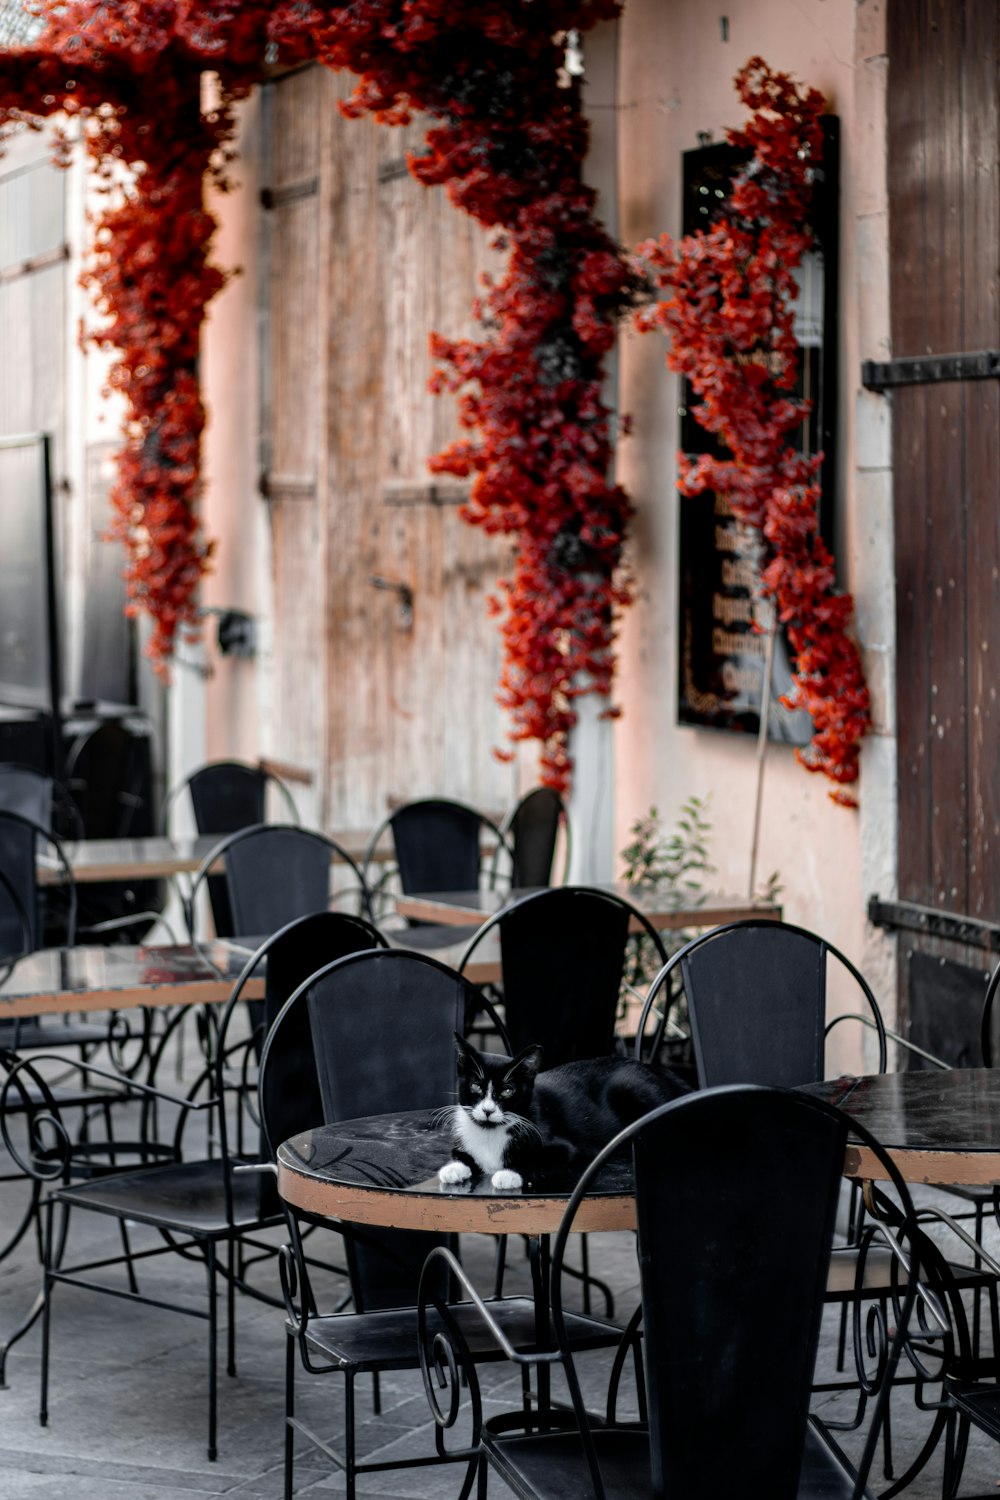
(293, 398)
(409, 656)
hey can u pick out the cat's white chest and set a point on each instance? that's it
(486, 1147)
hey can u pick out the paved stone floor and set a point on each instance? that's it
(128, 1395)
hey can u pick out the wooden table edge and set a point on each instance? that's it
(75, 1002)
(452, 1212)
(965, 1168)
(444, 913)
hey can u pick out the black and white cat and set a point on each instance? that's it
(512, 1120)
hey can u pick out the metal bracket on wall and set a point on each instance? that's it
(930, 369)
(907, 916)
(404, 618)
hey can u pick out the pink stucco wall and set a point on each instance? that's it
(675, 80)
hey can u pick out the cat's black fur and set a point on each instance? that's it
(514, 1122)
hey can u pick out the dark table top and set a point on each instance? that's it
(383, 1170)
(938, 1125)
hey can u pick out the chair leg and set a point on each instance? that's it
(43, 1405)
(376, 1394)
(977, 1262)
(350, 1473)
(482, 1476)
(289, 1414)
(231, 1310)
(585, 1270)
(133, 1285)
(213, 1331)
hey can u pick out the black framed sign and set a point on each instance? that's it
(721, 654)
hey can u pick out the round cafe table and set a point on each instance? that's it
(383, 1170)
(937, 1125)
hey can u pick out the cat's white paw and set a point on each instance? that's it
(454, 1172)
(507, 1181)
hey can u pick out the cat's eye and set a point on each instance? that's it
(506, 1093)
(474, 1088)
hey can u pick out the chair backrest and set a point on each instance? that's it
(736, 1199)
(988, 1023)
(26, 791)
(109, 772)
(756, 999)
(562, 955)
(289, 1086)
(532, 829)
(276, 872)
(21, 843)
(437, 844)
(383, 1028)
(227, 795)
(16, 936)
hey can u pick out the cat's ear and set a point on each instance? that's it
(528, 1063)
(465, 1056)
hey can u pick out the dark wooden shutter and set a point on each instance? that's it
(944, 196)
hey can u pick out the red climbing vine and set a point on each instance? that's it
(507, 141)
(729, 315)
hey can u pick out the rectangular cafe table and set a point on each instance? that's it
(56, 980)
(472, 908)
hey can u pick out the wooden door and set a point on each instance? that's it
(294, 404)
(944, 194)
(385, 653)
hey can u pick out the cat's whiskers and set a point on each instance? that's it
(446, 1115)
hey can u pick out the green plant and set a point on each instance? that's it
(771, 888)
(672, 863)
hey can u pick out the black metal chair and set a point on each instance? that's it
(732, 1301)
(41, 798)
(383, 1028)
(203, 1205)
(532, 828)
(24, 918)
(756, 1001)
(755, 993)
(30, 914)
(225, 796)
(563, 954)
(438, 846)
(275, 872)
(109, 773)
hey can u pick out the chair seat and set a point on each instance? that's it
(65, 1098)
(878, 1278)
(425, 937)
(388, 1340)
(187, 1197)
(31, 1035)
(980, 1403)
(552, 1465)
(972, 1192)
